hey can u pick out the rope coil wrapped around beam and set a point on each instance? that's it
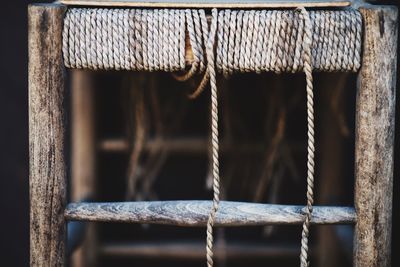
(246, 40)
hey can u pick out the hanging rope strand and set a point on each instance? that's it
(214, 136)
(203, 34)
(307, 67)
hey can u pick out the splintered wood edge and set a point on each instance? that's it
(208, 4)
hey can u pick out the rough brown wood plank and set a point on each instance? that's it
(375, 118)
(210, 3)
(83, 160)
(195, 213)
(191, 250)
(47, 176)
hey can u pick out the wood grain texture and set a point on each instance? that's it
(375, 118)
(47, 175)
(210, 3)
(195, 213)
(191, 250)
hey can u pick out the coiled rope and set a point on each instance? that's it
(244, 41)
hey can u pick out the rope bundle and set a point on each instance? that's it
(260, 40)
(246, 40)
(124, 39)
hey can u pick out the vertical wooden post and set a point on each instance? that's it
(330, 163)
(83, 179)
(47, 177)
(375, 112)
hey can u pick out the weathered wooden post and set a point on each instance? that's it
(375, 113)
(46, 136)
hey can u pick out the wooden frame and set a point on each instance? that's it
(375, 113)
(375, 110)
(47, 170)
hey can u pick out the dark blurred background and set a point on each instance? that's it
(14, 192)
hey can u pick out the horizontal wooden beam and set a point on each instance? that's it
(185, 144)
(195, 213)
(192, 250)
(210, 3)
(193, 145)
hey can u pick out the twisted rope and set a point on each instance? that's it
(307, 44)
(246, 40)
(214, 136)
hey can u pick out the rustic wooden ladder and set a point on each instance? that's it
(375, 110)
